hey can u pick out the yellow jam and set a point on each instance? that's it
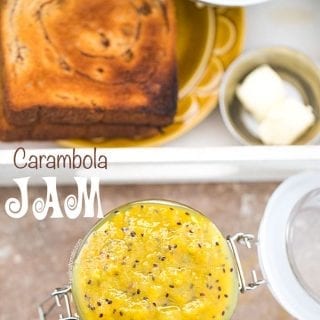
(154, 261)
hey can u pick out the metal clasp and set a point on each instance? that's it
(60, 298)
(246, 240)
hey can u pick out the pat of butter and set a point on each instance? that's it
(286, 122)
(260, 91)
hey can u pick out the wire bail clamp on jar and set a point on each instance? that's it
(62, 299)
(245, 240)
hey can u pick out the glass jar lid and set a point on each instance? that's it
(289, 245)
(303, 242)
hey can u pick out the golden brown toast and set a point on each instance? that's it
(89, 61)
(42, 132)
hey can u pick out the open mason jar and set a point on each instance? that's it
(159, 259)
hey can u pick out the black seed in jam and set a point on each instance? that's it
(219, 288)
(231, 270)
(171, 209)
(199, 245)
(101, 315)
(187, 213)
(171, 286)
(121, 313)
(154, 304)
(145, 298)
(114, 311)
(89, 282)
(217, 244)
(132, 234)
(167, 295)
(99, 304)
(142, 235)
(179, 223)
(219, 297)
(155, 265)
(210, 274)
(138, 291)
(202, 294)
(223, 313)
(116, 211)
(226, 296)
(142, 206)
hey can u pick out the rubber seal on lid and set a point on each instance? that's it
(273, 252)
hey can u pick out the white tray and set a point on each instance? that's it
(177, 165)
(293, 23)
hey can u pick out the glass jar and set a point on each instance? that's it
(288, 247)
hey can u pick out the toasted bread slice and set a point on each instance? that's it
(46, 132)
(89, 61)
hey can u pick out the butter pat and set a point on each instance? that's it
(261, 90)
(286, 122)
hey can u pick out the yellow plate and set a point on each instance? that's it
(209, 39)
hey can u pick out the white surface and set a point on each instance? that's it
(176, 165)
(273, 255)
(294, 23)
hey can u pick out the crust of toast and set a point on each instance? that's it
(47, 132)
(89, 61)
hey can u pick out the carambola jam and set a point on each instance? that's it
(154, 261)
